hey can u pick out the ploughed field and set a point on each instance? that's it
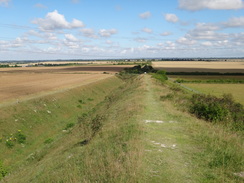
(19, 83)
(200, 66)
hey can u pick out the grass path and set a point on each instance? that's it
(168, 148)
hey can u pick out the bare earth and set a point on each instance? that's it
(188, 66)
(20, 83)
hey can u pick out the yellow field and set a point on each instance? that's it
(219, 89)
(19, 83)
(200, 66)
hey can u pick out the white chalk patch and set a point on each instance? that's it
(240, 174)
(35, 110)
(16, 120)
(45, 105)
(153, 121)
(163, 145)
(49, 112)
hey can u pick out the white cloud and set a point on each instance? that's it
(87, 32)
(70, 37)
(39, 5)
(55, 21)
(194, 5)
(166, 33)
(145, 15)
(171, 18)
(147, 30)
(234, 22)
(186, 41)
(107, 33)
(140, 40)
(4, 2)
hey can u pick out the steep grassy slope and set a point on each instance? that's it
(43, 120)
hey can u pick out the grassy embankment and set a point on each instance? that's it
(101, 145)
(137, 134)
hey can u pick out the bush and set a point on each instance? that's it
(20, 137)
(216, 109)
(160, 75)
(69, 125)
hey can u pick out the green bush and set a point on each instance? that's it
(160, 75)
(48, 141)
(216, 109)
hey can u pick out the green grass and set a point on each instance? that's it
(219, 89)
(45, 118)
(106, 153)
(111, 141)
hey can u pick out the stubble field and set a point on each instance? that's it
(200, 66)
(21, 83)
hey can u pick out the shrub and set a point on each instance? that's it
(160, 75)
(216, 109)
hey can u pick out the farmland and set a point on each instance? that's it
(26, 82)
(200, 66)
(86, 124)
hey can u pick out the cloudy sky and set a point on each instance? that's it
(90, 29)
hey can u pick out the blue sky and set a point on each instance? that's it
(99, 29)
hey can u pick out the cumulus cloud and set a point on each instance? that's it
(147, 30)
(234, 22)
(194, 5)
(145, 15)
(4, 2)
(165, 33)
(107, 33)
(70, 37)
(186, 41)
(87, 32)
(56, 21)
(171, 18)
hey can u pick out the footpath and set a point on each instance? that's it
(168, 147)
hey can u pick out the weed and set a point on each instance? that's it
(48, 141)
(69, 125)
(81, 101)
(3, 171)
(9, 143)
(20, 137)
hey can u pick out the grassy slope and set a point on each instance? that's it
(45, 118)
(112, 155)
(126, 149)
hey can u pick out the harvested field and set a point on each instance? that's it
(66, 69)
(19, 83)
(199, 66)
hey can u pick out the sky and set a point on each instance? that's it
(114, 29)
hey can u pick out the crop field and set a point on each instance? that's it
(17, 83)
(200, 66)
(236, 90)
